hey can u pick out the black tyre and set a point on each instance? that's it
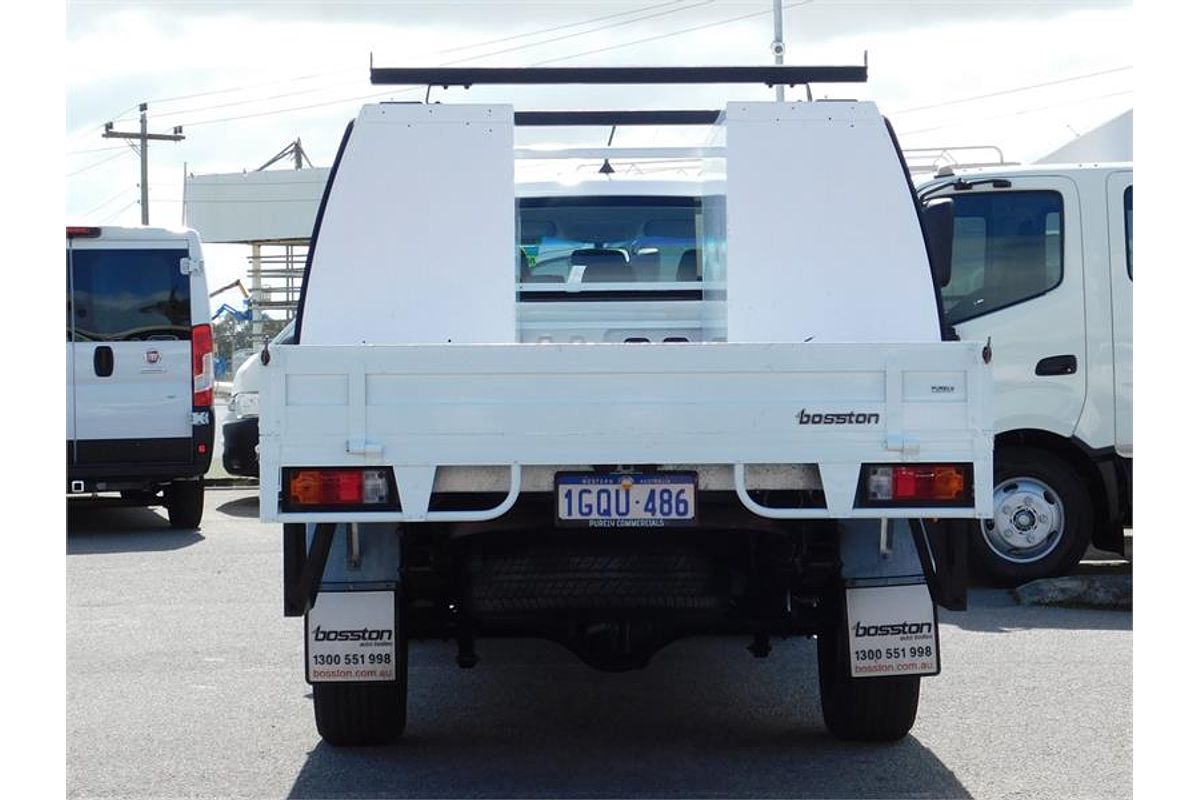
(185, 503)
(363, 714)
(1043, 519)
(862, 709)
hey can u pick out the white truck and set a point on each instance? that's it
(1043, 267)
(725, 407)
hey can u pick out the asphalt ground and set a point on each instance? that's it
(185, 680)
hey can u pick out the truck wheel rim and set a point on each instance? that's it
(1028, 523)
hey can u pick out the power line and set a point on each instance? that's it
(93, 128)
(504, 39)
(95, 149)
(252, 86)
(96, 163)
(715, 24)
(1003, 92)
(580, 33)
(501, 40)
(106, 202)
(119, 211)
(174, 114)
(1022, 112)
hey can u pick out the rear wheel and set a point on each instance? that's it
(185, 503)
(861, 709)
(362, 714)
(1042, 523)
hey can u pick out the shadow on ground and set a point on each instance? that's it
(997, 611)
(95, 528)
(241, 507)
(532, 722)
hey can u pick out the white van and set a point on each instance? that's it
(139, 368)
(1043, 267)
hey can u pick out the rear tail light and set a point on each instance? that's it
(917, 484)
(202, 365)
(337, 486)
(81, 232)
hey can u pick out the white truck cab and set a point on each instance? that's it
(628, 412)
(1043, 267)
(139, 368)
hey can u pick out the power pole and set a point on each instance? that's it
(777, 47)
(143, 151)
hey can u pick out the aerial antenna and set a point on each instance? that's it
(607, 168)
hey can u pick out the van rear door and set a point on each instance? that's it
(130, 328)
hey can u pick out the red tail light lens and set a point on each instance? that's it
(202, 365)
(81, 232)
(909, 484)
(337, 486)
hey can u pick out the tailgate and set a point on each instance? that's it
(418, 408)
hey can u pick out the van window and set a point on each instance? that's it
(123, 295)
(1129, 231)
(1008, 247)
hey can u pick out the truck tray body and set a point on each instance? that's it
(721, 407)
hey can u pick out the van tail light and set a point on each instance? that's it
(202, 365)
(917, 484)
(82, 232)
(339, 487)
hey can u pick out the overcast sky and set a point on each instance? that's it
(245, 78)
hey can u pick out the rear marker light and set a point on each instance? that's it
(338, 487)
(82, 232)
(915, 482)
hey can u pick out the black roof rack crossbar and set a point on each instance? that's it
(622, 118)
(470, 76)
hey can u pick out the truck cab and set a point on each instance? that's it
(1043, 267)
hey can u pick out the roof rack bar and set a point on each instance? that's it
(622, 118)
(469, 76)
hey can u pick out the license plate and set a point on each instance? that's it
(616, 500)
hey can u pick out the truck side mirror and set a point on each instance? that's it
(938, 221)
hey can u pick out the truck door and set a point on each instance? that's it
(131, 351)
(1120, 239)
(1017, 278)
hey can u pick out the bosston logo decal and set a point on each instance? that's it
(842, 418)
(361, 635)
(892, 629)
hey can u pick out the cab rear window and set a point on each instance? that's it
(127, 295)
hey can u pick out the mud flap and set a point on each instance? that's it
(942, 548)
(891, 630)
(352, 637)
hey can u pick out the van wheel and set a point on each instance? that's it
(1042, 523)
(185, 503)
(861, 709)
(362, 714)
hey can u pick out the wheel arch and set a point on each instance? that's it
(1097, 470)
